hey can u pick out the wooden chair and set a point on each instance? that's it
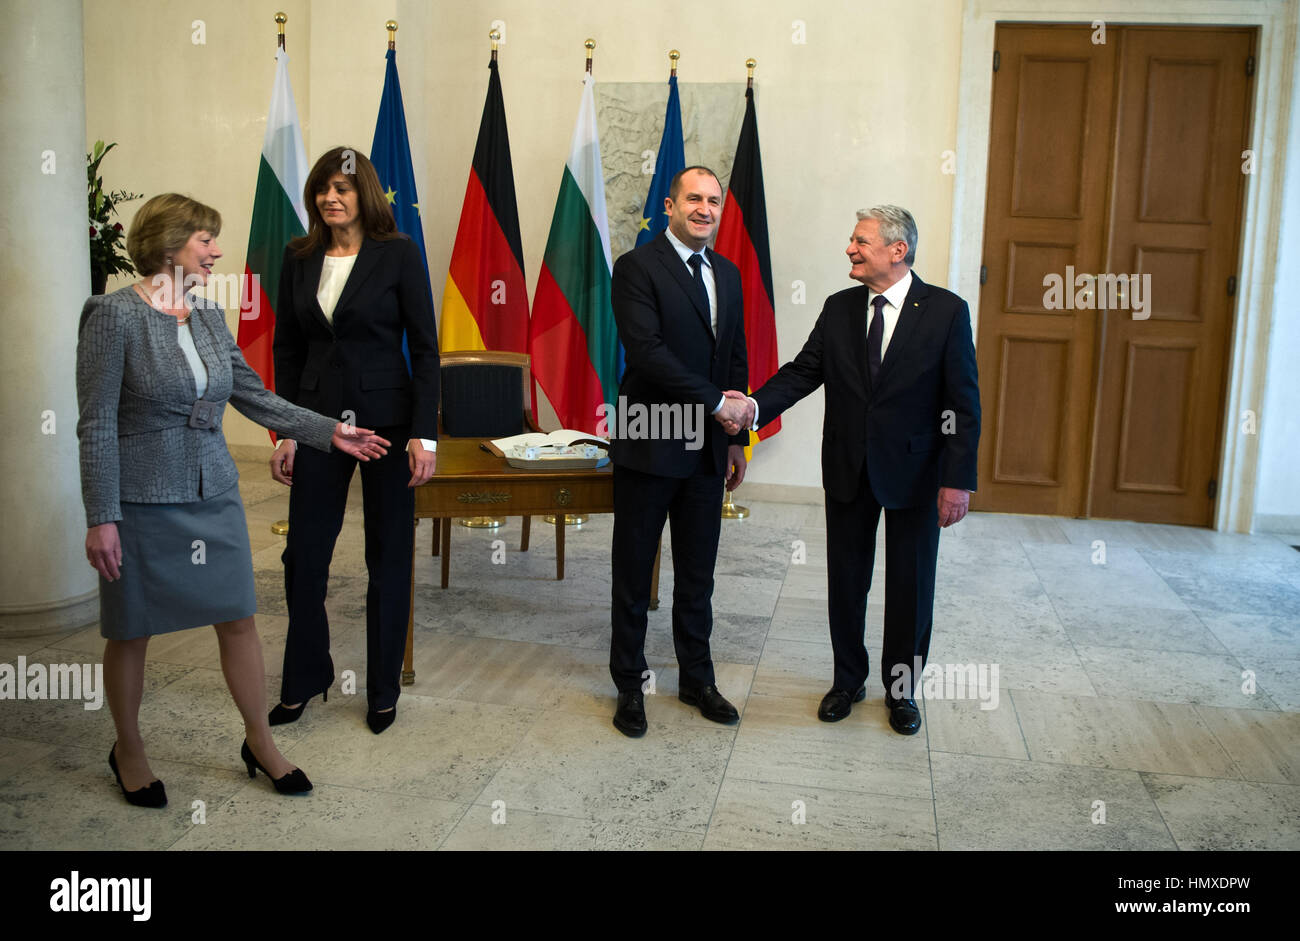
(485, 394)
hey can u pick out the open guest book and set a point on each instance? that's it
(565, 449)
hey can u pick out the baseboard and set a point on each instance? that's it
(781, 493)
(57, 617)
(1285, 523)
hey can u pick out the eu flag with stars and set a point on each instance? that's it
(391, 155)
(670, 161)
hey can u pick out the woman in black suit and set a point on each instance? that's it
(349, 289)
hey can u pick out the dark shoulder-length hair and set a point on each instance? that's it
(376, 217)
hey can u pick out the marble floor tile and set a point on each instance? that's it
(1208, 814)
(961, 726)
(1108, 625)
(328, 818)
(1161, 676)
(1008, 526)
(437, 748)
(65, 798)
(1279, 682)
(781, 741)
(1255, 637)
(1000, 804)
(1119, 683)
(755, 816)
(1265, 746)
(1047, 665)
(581, 766)
(1101, 732)
(520, 830)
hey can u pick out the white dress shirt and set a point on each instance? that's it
(894, 296)
(710, 285)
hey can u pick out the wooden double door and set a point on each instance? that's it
(1116, 177)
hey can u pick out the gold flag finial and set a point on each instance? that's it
(391, 26)
(590, 44)
(749, 66)
(280, 20)
(495, 36)
(673, 56)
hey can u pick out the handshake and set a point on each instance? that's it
(738, 412)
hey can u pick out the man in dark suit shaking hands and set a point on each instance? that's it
(680, 318)
(901, 430)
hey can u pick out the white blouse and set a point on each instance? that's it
(333, 275)
(200, 371)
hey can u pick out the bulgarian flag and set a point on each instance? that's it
(572, 337)
(485, 303)
(742, 238)
(278, 216)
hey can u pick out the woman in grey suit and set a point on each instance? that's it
(165, 524)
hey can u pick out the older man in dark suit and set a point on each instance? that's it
(901, 431)
(680, 318)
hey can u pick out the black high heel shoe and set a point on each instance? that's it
(378, 721)
(283, 715)
(295, 782)
(152, 795)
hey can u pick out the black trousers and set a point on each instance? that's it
(316, 504)
(911, 553)
(692, 505)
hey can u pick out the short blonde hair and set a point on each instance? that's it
(163, 225)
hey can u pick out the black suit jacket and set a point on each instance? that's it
(673, 356)
(356, 363)
(918, 428)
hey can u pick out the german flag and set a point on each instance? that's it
(742, 238)
(485, 303)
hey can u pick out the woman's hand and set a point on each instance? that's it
(282, 461)
(104, 550)
(361, 443)
(423, 462)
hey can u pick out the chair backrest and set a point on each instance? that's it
(485, 394)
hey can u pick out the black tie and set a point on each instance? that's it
(874, 334)
(696, 262)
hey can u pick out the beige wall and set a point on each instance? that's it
(837, 132)
(859, 112)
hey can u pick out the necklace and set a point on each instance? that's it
(182, 321)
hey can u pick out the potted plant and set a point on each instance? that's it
(106, 236)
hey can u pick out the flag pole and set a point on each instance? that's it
(495, 36)
(730, 509)
(391, 26)
(673, 56)
(590, 44)
(280, 527)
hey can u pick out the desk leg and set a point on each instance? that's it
(408, 661)
(523, 542)
(437, 531)
(559, 547)
(654, 578)
(446, 550)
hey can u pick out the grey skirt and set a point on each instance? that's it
(183, 565)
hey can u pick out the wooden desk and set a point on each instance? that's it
(469, 481)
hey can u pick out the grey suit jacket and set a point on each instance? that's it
(135, 392)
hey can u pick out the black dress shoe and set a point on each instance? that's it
(712, 705)
(629, 717)
(904, 716)
(838, 703)
(151, 795)
(378, 721)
